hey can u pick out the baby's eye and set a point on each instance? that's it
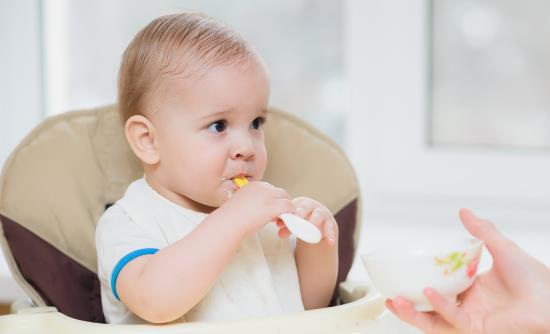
(217, 126)
(257, 123)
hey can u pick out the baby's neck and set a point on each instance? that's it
(176, 198)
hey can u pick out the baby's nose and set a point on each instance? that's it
(243, 148)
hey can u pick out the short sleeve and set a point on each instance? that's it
(119, 240)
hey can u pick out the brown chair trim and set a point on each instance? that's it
(347, 220)
(52, 274)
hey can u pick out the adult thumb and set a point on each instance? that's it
(479, 228)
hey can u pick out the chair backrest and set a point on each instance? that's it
(59, 180)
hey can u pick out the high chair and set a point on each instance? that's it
(69, 169)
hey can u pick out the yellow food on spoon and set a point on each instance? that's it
(240, 181)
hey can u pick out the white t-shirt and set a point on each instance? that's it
(260, 279)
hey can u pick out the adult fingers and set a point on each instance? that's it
(427, 322)
(389, 305)
(447, 309)
(503, 250)
(479, 228)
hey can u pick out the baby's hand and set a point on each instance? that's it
(255, 205)
(317, 214)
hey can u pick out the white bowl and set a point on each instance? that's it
(447, 266)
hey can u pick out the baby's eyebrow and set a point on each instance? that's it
(224, 113)
(215, 115)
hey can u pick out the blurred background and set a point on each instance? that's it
(439, 104)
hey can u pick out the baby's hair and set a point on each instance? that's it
(177, 44)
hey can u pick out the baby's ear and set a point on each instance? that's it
(140, 134)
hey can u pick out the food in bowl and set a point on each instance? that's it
(447, 266)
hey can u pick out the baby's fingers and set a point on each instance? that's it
(284, 232)
(325, 224)
(304, 207)
(303, 212)
(329, 231)
(316, 218)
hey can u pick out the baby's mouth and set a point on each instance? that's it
(236, 182)
(238, 177)
(241, 180)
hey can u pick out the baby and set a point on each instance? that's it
(184, 243)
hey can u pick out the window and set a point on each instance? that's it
(490, 73)
(407, 178)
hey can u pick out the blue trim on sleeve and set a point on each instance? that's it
(124, 261)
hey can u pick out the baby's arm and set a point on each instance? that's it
(317, 264)
(162, 287)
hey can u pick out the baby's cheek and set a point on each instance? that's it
(261, 165)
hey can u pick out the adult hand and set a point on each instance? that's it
(512, 297)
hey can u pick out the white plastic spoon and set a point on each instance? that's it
(301, 228)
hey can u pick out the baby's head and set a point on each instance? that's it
(193, 97)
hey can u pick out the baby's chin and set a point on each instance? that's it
(223, 196)
(218, 199)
